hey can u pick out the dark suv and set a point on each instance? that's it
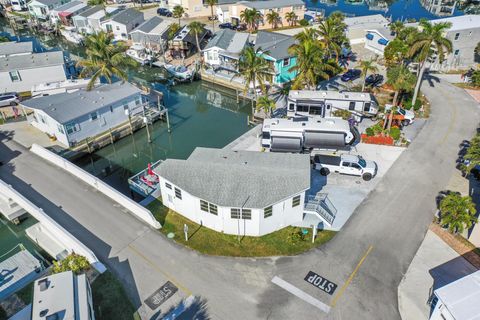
(164, 12)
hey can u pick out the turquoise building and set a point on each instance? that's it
(276, 47)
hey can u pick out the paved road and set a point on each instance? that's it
(367, 259)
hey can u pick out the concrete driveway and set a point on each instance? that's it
(366, 261)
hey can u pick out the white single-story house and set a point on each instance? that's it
(74, 116)
(237, 192)
(62, 296)
(377, 39)
(89, 21)
(19, 73)
(64, 13)
(459, 300)
(122, 23)
(41, 9)
(224, 49)
(151, 34)
(15, 48)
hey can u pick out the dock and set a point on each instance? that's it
(145, 183)
(17, 270)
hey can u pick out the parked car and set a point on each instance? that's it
(9, 99)
(212, 18)
(351, 75)
(226, 25)
(408, 115)
(164, 12)
(241, 27)
(345, 164)
(374, 80)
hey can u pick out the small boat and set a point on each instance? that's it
(139, 54)
(179, 72)
(72, 36)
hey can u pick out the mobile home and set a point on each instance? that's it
(298, 134)
(324, 103)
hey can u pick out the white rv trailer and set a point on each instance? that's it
(298, 134)
(324, 103)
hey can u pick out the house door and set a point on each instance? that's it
(170, 203)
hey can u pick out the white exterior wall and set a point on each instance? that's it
(119, 31)
(441, 312)
(31, 77)
(45, 123)
(189, 207)
(211, 56)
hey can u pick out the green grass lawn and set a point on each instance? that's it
(110, 300)
(286, 241)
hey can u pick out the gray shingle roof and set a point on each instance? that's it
(7, 48)
(29, 61)
(228, 40)
(239, 178)
(127, 16)
(48, 2)
(67, 6)
(65, 107)
(149, 25)
(275, 43)
(269, 4)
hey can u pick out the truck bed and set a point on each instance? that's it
(327, 160)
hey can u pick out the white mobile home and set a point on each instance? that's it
(237, 192)
(41, 9)
(298, 134)
(15, 48)
(62, 296)
(74, 116)
(89, 21)
(122, 23)
(19, 73)
(65, 12)
(151, 34)
(324, 103)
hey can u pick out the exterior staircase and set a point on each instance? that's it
(322, 207)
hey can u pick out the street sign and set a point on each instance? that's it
(161, 295)
(320, 282)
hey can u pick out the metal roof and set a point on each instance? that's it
(70, 5)
(228, 40)
(462, 297)
(239, 178)
(127, 16)
(268, 4)
(87, 13)
(30, 61)
(67, 106)
(153, 25)
(48, 2)
(461, 22)
(7, 48)
(276, 44)
(332, 95)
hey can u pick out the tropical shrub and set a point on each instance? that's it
(369, 131)
(457, 212)
(304, 22)
(73, 262)
(395, 133)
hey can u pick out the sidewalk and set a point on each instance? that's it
(434, 265)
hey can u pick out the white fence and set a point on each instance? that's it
(63, 236)
(141, 212)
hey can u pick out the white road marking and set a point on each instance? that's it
(301, 294)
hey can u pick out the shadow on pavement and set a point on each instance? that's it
(197, 310)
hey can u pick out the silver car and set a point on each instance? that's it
(9, 99)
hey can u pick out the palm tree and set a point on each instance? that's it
(105, 59)
(250, 17)
(395, 52)
(402, 80)
(197, 28)
(273, 18)
(308, 34)
(291, 18)
(396, 27)
(431, 40)
(367, 66)
(457, 212)
(178, 12)
(254, 69)
(332, 37)
(266, 104)
(211, 4)
(311, 64)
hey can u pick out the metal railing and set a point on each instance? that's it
(321, 204)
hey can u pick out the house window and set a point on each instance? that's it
(60, 128)
(15, 76)
(457, 35)
(286, 62)
(235, 213)
(351, 106)
(212, 209)
(138, 101)
(125, 106)
(72, 127)
(108, 27)
(168, 185)
(247, 214)
(178, 193)
(118, 28)
(267, 212)
(42, 119)
(204, 205)
(457, 52)
(295, 201)
(93, 116)
(111, 108)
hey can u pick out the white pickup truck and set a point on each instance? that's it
(345, 164)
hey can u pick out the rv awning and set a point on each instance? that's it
(369, 36)
(286, 144)
(383, 42)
